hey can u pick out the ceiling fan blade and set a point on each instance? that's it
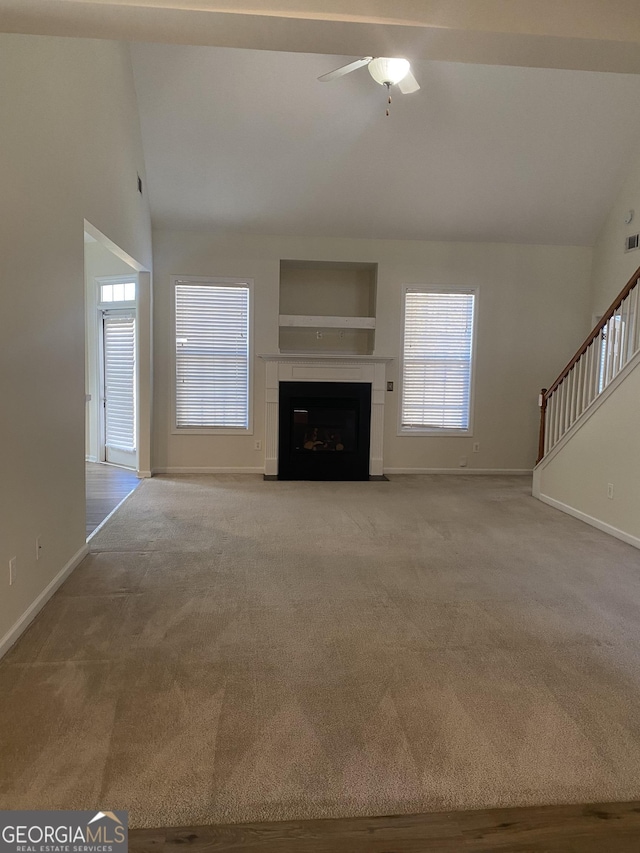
(408, 84)
(345, 69)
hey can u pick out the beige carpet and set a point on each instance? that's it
(238, 650)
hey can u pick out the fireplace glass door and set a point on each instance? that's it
(324, 431)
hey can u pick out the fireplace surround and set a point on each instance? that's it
(305, 368)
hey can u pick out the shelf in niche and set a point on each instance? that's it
(327, 306)
(322, 322)
(316, 340)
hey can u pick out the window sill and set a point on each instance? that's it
(212, 431)
(422, 431)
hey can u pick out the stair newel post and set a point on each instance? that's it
(542, 402)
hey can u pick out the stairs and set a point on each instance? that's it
(589, 450)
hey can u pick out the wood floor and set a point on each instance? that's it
(106, 486)
(594, 828)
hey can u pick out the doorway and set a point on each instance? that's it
(117, 407)
(118, 390)
(117, 373)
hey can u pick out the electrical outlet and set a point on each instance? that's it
(610, 491)
(257, 445)
(463, 461)
(38, 547)
(12, 570)
(476, 447)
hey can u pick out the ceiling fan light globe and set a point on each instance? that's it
(388, 70)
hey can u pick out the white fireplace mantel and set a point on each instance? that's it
(307, 367)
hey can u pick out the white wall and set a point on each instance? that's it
(612, 267)
(533, 310)
(70, 150)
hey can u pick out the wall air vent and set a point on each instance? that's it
(632, 242)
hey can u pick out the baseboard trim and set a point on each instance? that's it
(36, 606)
(589, 519)
(216, 470)
(143, 475)
(495, 471)
(237, 470)
(90, 458)
(535, 482)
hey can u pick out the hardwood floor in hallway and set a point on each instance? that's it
(106, 486)
(591, 828)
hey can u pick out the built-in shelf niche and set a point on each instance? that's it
(327, 307)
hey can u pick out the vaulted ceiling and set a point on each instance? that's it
(524, 128)
(596, 35)
(251, 141)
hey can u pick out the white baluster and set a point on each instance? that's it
(594, 350)
(580, 390)
(610, 349)
(633, 320)
(548, 425)
(564, 424)
(588, 358)
(623, 331)
(572, 397)
(556, 415)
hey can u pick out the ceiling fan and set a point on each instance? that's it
(387, 71)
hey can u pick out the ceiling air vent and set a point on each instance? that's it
(631, 242)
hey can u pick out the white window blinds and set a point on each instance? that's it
(119, 381)
(212, 355)
(438, 344)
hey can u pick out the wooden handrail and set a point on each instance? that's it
(617, 302)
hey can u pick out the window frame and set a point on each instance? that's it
(439, 431)
(116, 279)
(226, 281)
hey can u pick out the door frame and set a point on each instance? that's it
(144, 342)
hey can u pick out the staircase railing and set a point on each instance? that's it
(605, 351)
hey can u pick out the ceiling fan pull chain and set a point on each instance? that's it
(388, 96)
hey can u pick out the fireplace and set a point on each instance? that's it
(317, 370)
(324, 430)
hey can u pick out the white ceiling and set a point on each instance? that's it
(239, 135)
(249, 140)
(589, 35)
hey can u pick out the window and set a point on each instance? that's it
(118, 290)
(437, 361)
(612, 339)
(212, 355)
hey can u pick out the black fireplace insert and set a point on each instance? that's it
(324, 430)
